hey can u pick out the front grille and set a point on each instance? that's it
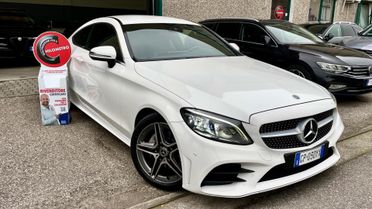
(287, 169)
(287, 141)
(359, 71)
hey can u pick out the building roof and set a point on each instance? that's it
(143, 19)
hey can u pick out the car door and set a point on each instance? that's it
(109, 96)
(258, 44)
(79, 80)
(230, 31)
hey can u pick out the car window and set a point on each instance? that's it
(104, 34)
(229, 30)
(211, 26)
(253, 34)
(317, 29)
(347, 30)
(81, 37)
(335, 30)
(149, 42)
(357, 28)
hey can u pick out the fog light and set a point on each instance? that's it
(336, 86)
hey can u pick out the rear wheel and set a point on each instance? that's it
(155, 153)
(300, 71)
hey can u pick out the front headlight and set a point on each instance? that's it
(216, 127)
(333, 68)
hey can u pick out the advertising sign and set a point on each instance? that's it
(52, 50)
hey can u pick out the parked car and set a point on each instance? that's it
(197, 113)
(334, 33)
(292, 47)
(362, 42)
(17, 34)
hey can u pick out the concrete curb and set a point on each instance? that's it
(159, 200)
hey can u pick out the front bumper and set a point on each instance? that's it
(200, 156)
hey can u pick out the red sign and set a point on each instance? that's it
(279, 12)
(52, 49)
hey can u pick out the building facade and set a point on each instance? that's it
(297, 11)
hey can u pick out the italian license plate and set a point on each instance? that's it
(369, 83)
(308, 156)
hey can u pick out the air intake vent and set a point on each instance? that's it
(225, 174)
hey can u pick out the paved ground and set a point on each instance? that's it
(16, 72)
(83, 165)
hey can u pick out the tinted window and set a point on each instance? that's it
(105, 35)
(229, 30)
(335, 30)
(253, 33)
(347, 30)
(81, 37)
(211, 26)
(317, 29)
(173, 41)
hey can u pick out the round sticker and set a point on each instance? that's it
(52, 49)
(279, 12)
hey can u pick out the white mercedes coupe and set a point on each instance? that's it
(197, 113)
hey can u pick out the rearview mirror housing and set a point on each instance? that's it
(235, 46)
(104, 53)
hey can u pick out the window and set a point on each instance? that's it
(149, 42)
(229, 30)
(254, 34)
(211, 26)
(335, 30)
(347, 30)
(81, 37)
(104, 34)
(321, 10)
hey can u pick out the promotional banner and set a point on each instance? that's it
(52, 50)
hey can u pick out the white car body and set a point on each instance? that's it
(238, 87)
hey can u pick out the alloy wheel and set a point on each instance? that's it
(157, 154)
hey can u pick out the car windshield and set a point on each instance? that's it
(149, 42)
(288, 33)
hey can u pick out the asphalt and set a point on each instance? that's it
(84, 166)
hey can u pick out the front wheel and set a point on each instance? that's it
(300, 71)
(155, 153)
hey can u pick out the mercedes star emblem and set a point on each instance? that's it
(309, 131)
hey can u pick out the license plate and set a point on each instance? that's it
(369, 83)
(308, 156)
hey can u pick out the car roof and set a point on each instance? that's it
(229, 19)
(143, 19)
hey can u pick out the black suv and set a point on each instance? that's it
(17, 34)
(292, 47)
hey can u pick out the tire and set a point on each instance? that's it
(155, 153)
(300, 71)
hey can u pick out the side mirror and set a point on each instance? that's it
(329, 36)
(235, 46)
(104, 53)
(267, 40)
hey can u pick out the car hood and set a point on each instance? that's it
(360, 43)
(236, 87)
(334, 53)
